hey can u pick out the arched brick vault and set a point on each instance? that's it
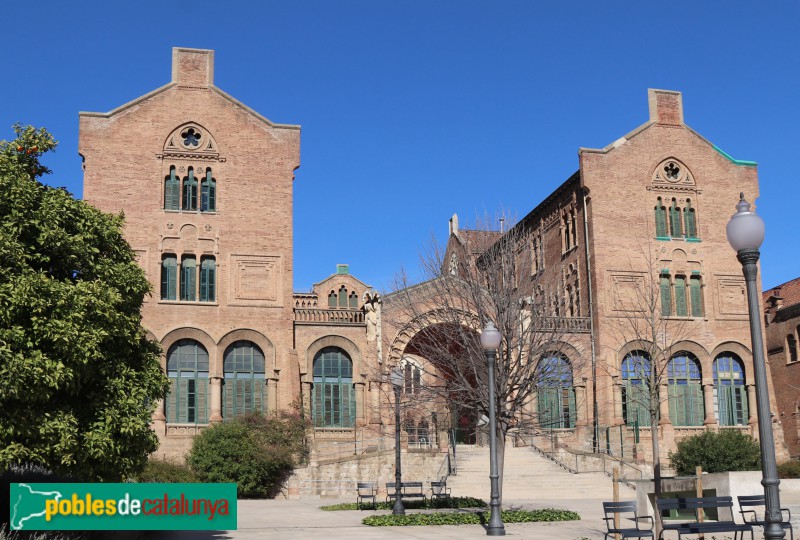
(419, 324)
(345, 344)
(744, 354)
(190, 333)
(256, 337)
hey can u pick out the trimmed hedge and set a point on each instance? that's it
(727, 450)
(166, 472)
(789, 469)
(470, 518)
(415, 504)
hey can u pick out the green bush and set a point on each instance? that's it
(166, 472)
(789, 469)
(470, 518)
(414, 504)
(723, 451)
(256, 452)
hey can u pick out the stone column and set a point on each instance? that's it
(375, 402)
(751, 405)
(306, 391)
(159, 419)
(663, 405)
(272, 394)
(216, 400)
(581, 420)
(359, 388)
(708, 402)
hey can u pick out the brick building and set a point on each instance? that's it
(190, 167)
(782, 318)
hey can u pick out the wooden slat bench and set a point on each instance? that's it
(699, 527)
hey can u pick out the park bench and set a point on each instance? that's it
(409, 490)
(366, 492)
(625, 510)
(440, 491)
(695, 526)
(747, 505)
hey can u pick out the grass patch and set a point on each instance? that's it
(415, 504)
(470, 518)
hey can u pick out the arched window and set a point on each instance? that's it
(343, 297)
(731, 391)
(189, 278)
(412, 377)
(208, 279)
(555, 393)
(187, 369)
(686, 406)
(172, 191)
(334, 398)
(696, 295)
(190, 191)
(169, 275)
(208, 193)
(636, 389)
(675, 220)
(791, 348)
(353, 300)
(680, 297)
(332, 299)
(661, 219)
(244, 390)
(666, 295)
(689, 220)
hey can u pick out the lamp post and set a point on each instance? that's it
(397, 380)
(490, 340)
(745, 233)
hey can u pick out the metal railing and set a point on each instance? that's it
(573, 325)
(329, 316)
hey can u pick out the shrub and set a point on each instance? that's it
(168, 472)
(727, 450)
(256, 452)
(470, 518)
(789, 469)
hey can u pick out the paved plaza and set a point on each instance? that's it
(294, 520)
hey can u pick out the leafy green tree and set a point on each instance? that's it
(727, 450)
(78, 377)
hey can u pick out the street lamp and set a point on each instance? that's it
(745, 233)
(397, 380)
(490, 340)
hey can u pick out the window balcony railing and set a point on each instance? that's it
(329, 316)
(573, 325)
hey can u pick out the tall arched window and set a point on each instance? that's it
(208, 279)
(412, 377)
(680, 297)
(791, 348)
(189, 278)
(555, 393)
(244, 390)
(686, 407)
(343, 297)
(332, 299)
(675, 220)
(635, 388)
(353, 300)
(187, 369)
(689, 220)
(731, 391)
(334, 398)
(169, 277)
(661, 219)
(208, 193)
(190, 191)
(172, 191)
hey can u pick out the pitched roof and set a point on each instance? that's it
(789, 292)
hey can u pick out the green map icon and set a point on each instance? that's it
(29, 504)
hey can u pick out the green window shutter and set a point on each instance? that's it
(696, 294)
(675, 220)
(318, 405)
(348, 403)
(188, 278)
(208, 278)
(168, 277)
(259, 389)
(680, 297)
(208, 193)
(724, 405)
(186, 400)
(190, 191)
(740, 405)
(569, 417)
(172, 400)
(172, 191)
(697, 405)
(689, 221)
(227, 397)
(661, 219)
(666, 296)
(202, 401)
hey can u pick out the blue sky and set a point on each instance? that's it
(415, 110)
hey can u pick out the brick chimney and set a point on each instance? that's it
(192, 67)
(666, 106)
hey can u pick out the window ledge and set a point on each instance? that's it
(187, 303)
(693, 240)
(203, 212)
(663, 238)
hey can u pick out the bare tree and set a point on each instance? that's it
(651, 319)
(485, 275)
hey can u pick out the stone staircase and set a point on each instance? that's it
(528, 475)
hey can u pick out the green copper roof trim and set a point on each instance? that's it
(735, 161)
